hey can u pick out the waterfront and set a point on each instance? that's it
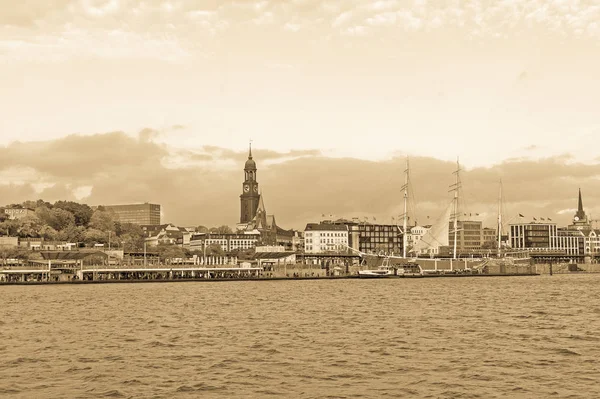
(438, 338)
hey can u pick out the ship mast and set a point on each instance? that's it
(405, 215)
(500, 218)
(455, 188)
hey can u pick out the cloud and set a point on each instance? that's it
(298, 185)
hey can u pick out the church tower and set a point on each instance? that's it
(250, 196)
(580, 220)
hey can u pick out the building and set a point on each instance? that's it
(166, 234)
(582, 226)
(376, 238)
(9, 242)
(253, 214)
(142, 214)
(228, 242)
(489, 237)
(469, 235)
(415, 234)
(18, 213)
(325, 237)
(545, 237)
(249, 199)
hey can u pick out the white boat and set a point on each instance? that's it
(381, 271)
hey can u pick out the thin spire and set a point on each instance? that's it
(580, 205)
(250, 149)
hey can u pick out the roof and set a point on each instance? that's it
(70, 255)
(272, 255)
(325, 227)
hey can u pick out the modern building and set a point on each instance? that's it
(469, 235)
(489, 237)
(227, 242)
(142, 214)
(325, 237)
(376, 238)
(545, 237)
(18, 213)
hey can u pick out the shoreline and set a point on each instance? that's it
(220, 280)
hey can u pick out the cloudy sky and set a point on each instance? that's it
(130, 100)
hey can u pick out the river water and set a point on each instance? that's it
(530, 337)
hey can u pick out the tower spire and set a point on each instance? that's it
(250, 149)
(580, 205)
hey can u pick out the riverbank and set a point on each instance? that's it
(220, 280)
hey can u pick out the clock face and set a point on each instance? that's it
(576, 218)
(246, 189)
(255, 189)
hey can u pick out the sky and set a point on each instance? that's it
(130, 100)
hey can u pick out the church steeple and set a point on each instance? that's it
(580, 217)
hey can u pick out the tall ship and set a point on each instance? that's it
(426, 257)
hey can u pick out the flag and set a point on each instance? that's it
(521, 216)
(549, 219)
(322, 215)
(374, 218)
(427, 217)
(465, 214)
(476, 214)
(535, 219)
(542, 219)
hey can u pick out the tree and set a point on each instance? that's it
(214, 250)
(131, 235)
(94, 236)
(202, 229)
(10, 227)
(71, 234)
(102, 220)
(29, 226)
(81, 212)
(221, 230)
(56, 218)
(47, 233)
(168, 252)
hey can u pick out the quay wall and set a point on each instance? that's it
(567, 268)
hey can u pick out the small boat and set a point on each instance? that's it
(381, 271)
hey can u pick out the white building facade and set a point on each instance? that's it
(324, 237)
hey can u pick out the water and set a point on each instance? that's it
(512, 337)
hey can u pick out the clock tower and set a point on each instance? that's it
(250, 196)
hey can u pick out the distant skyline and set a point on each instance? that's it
(117, 101)
(202, 185)
(350, 78)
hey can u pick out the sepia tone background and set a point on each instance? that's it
(109, 101)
